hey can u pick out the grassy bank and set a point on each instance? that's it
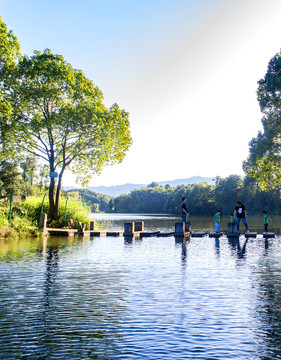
(24, 221)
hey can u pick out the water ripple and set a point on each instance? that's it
(104, 298)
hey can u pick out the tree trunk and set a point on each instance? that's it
(51, 214)
(56, 213)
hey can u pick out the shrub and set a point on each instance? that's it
(23, 226)
(76, 210)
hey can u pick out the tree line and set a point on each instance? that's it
(202, 199)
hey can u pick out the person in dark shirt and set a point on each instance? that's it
(184, 213)
(241, 214)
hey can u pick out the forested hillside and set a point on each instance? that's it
(202, 199)
(97, 202)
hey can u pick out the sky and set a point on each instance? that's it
(185, 70)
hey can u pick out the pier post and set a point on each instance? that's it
(81, 228)
(129, 228)
(92, 225)
(232, 228)
(139, 225)
(179, 229)
(43, 223)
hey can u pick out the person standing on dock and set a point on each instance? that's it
(217, 220)
(184, 213)
(241, 214)
(266, 220)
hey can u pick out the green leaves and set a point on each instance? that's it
(63, 114)
(9, 57)
(264, 160)
(52, 111)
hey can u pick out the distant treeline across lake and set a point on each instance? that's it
(202, 199)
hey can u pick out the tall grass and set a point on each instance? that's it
(27, 224)
(5, 228)
(17, 226)
(75, 210)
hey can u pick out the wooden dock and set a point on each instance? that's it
(165, 234)
(114, 233)
(149, 233)
(136, 230)
(233, 235)
(250, 235)
(199, 234)
(72, 232)
(94, 233)
(268, 235)
(103, 233)
(216, 234)
(61, 232)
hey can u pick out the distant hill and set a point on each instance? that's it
(127, 188)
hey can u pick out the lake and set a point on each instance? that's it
(167, 222)
(156, 298)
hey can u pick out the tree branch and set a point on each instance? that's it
(33, 153)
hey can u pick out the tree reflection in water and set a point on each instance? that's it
(268, 307)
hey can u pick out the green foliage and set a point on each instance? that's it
(202, 199)
(62, 120)
(264, 161)
(9, 56)
(18, 226)
(3, 217)
(43, 175)
(227, 191)
(76, 210)
(9, 49)
(162, 199)
(12, 178)
(29, 166)
(24, 226)
(96, 202)
(9, 177)
(52, 111)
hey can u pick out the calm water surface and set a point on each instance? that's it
(156, 298)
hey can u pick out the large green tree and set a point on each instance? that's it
(9, 177)
(9, 57)
(63, 121)
(264, 161)
(227, 192)
(29, 166)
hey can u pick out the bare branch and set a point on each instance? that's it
(33, 153)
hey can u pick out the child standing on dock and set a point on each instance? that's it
(266, 220)
(217, 220)
(232, 219)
